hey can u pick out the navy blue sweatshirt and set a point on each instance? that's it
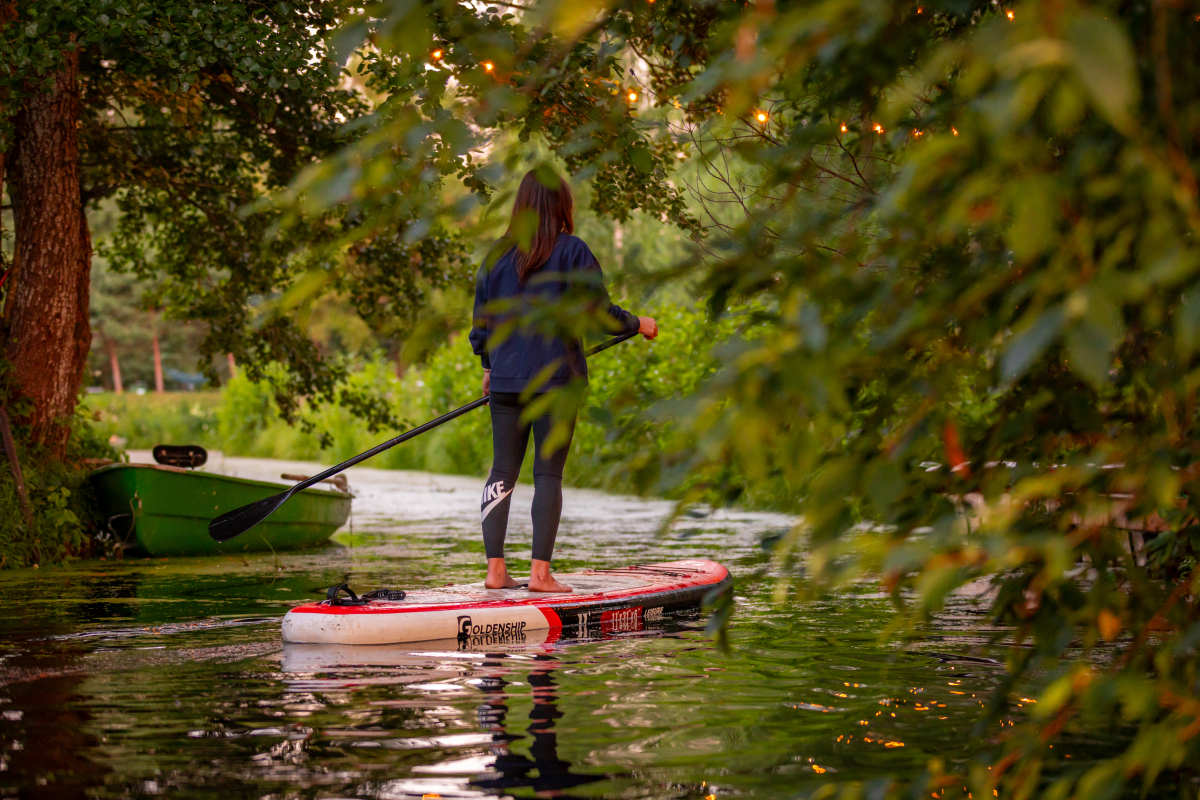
(501, 298)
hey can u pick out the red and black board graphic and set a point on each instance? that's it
(607, 601)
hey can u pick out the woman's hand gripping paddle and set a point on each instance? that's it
(236, 522)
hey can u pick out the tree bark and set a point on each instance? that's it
(118, 384)
(619, 244)
(158, 376)
(8, 12)
(47, 306)
(4, 265)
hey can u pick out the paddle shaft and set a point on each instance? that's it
(428, 426)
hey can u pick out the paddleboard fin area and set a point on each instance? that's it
(604, 601)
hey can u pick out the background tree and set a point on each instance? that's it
(184, 113)
(123, 328)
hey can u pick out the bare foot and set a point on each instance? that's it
(540, 579)
(547, 584)
(497, 575)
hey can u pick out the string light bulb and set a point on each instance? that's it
(1009, 13)
(489, 66)
(844, 128)
(437, 54)
(632, 96)
(878, 128)
(761, 116)
(954, 131)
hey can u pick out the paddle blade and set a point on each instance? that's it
(236, 522)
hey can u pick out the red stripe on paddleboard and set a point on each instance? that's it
(703, 573)
(551, 617)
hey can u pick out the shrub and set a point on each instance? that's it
(143, 421)
(64, 516)
(614, 426)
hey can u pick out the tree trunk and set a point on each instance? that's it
(158, 376)
(3, 266)
(8, 12)
(47, 307)
(118, 384)
(619, 244)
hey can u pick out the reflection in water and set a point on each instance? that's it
(441, 672)
(108, 597)
(43, 738)
(155, 677)
(513, 770)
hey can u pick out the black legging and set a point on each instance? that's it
(510, 437)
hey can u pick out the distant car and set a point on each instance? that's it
(190, 381)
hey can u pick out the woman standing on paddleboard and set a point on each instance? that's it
(519, 363)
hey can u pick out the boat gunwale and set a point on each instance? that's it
(333, 493)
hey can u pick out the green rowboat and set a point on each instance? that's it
(164, 511)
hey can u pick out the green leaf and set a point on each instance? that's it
(347, 39)
(601, 416)
(1027, 346)
(1187, 321)
(1102, 782)
(1033, 230)
(548, 176)
(524, 226)
(641, 159)
(1091, 340)
(1105, 63)
(1088, 353)
(885, 484)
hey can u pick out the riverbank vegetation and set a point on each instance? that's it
(57, 517)
(968, 231)
(242, 419)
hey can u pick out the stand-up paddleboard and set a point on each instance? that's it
(604, 600)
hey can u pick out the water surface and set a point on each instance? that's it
(145, 677)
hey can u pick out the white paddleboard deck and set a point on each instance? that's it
(606, 600)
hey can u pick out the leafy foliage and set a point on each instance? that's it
(64, 522)
(191, 112)
(121, 326)
(139, 422)
(970, 230)
(242, 419)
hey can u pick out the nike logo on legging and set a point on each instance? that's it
(495, 490)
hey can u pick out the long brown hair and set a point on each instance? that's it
(555, 210)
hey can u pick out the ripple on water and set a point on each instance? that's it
(221, 708)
